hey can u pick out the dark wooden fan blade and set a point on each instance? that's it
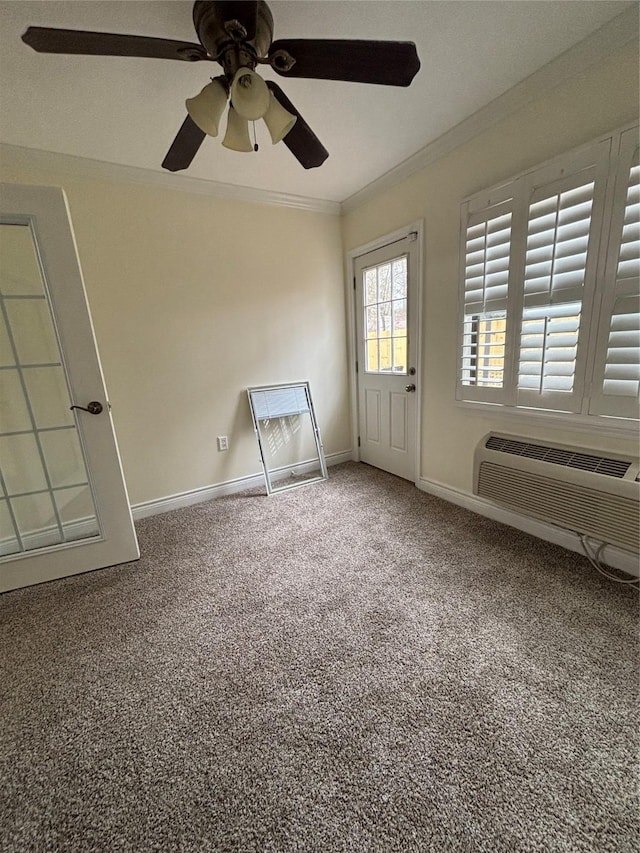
(50, 40)
(301, 140)
(184, 147)
(390, 63)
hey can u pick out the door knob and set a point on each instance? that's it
(94, 407)
(411, 387)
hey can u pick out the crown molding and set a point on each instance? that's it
(18, 155)
(597, 47)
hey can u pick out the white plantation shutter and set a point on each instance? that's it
(486, 262)
(622, 370)
(557, 242)
(616, 382)
(487, 248)
(549, 347)
(550, 295)
(558, 270)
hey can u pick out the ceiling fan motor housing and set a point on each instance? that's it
(231, 35)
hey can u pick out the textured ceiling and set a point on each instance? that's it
(127, 111)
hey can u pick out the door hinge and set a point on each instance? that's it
(356, 366)
(358, 441)
(354, 282)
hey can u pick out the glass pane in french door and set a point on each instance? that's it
(45, 494)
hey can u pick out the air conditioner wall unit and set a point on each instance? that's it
(577, 489)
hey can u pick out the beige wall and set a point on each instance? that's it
(194, 298)
(588, 106)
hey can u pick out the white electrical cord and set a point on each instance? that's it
(594, 559)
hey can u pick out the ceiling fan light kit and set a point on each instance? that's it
(278, 120)
(206, 108)
(237, 136)
(238, 34)
(249, 94)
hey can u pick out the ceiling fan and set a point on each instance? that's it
(238, 34)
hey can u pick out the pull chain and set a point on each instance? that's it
(255, 143)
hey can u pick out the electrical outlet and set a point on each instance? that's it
(223, 442)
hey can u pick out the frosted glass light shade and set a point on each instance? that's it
(237, 136)
(249, 94)
(206, 108)
(278, 120)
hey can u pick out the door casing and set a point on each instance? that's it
(351, 256)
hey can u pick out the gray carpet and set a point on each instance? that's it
(349, 666)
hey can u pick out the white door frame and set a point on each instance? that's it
(352, 342)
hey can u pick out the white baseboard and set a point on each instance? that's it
(611, 556)
(218, 490)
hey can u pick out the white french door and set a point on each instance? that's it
(387, 347)
(63, 502)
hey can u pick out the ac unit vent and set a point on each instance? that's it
(609, 518)
(562, 485)
(558, 456)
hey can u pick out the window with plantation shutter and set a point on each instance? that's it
(550, 308)
(616, 384)
(487, 264)
(486, 279)
(555, 274)
(548, 348)
(557, 240)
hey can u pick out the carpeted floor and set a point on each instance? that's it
(350, 666)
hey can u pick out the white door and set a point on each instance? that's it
(386, 283)
(63, 502)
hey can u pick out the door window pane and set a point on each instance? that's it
(400, 355)
(22, 469)
(33, 334)
(20, 270)
(49, 396)
(386, 359)
(372, 356)
(36, 520)
(372, 322)
(385, 317)
(8, 541)
(61, 448)
(6, 353)
(400, 278)
(14, 414)
(370, 287)
(399, 318)
(76, 513)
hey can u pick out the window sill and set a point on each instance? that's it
(596, 424)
